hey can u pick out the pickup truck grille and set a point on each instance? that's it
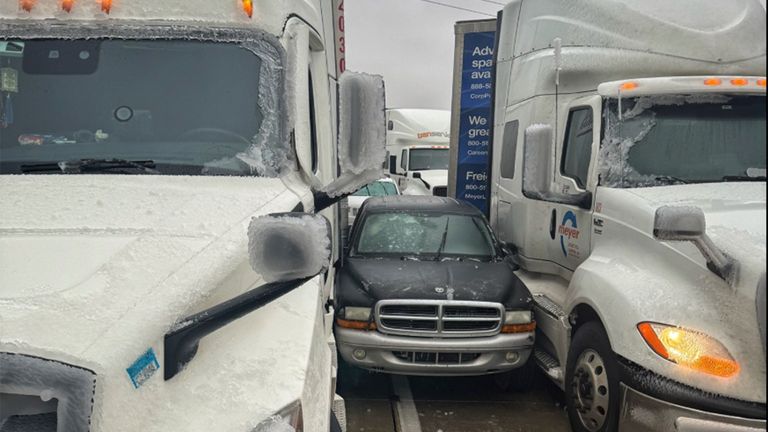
(439, 318)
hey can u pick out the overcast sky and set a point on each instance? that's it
(410, 43)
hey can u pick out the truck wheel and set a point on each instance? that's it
(591, 381)
(518, 380)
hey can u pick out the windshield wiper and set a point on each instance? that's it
(91, 165)
(671, 180)
(442, 242)
(738, 178)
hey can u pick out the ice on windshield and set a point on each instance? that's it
(424, 234)
(661, 140)
(167, 101)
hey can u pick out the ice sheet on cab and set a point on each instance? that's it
(275, 424)
(361, 145)
(277, 247)
(537, 138)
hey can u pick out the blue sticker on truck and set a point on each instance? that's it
(143, 368)
(472, 163)
(571, 232)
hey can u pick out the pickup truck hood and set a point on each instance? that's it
(363, 281)
(435, 177)
(102, 247)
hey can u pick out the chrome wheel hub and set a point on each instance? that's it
(589, 390)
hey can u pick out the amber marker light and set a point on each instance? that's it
(248, 7)
(27, 5)
(761, 82)
(355, 325)
(106, 6)
(713, 82)
(519, 328)
(629, 86)
(689, 348)
(739, 82)
(67, 5)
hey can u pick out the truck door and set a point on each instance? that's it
(570, 226)
(402, 171)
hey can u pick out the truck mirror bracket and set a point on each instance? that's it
(180, 344)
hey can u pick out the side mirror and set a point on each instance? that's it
(289, 246)
(393, 165)
(537, 161)
(679, 223)
(416, 175)
(688, 223)
(362, 136)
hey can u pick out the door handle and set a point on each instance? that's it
(552, 223)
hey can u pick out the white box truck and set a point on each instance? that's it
(417, 150)
(149, 152)
(628, 174)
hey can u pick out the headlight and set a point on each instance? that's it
(689, 348)
(356, 318)
(518, 322)
(289, 419)
(357, 313)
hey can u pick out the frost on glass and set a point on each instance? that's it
(270, 152)
(67, 388)
(626, 128)
(288, 247)
(362, 132)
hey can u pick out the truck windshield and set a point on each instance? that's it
(431, 235)
(181, 107)
(428, 159)
(666, 140)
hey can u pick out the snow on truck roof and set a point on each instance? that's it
(266, 15)
(608, 40)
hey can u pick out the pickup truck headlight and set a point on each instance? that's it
(287, 419)
(520, 321)
(356, 318)
(689, 348)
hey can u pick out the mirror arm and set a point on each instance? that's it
(180, 344)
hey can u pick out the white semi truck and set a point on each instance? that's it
(417, 149)
(149, 152)
(628, 175)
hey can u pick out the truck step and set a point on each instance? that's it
(549, 365)
(549, 306)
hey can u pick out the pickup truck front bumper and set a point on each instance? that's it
(408, 355)
(652, 403)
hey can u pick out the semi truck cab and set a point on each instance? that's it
(628, 174)
(169, 173)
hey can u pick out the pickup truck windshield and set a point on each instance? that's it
(428, 159)
(119, 106)
(666, 140)
(434, 235)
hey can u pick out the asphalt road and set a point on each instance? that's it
(388, 403)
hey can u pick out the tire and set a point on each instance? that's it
(592, 382)
(518, 380)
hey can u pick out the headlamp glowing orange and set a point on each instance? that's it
(689, 348)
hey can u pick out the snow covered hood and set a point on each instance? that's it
(83, 257)
(435, 178)
(735, 215)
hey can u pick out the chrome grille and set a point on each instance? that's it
(439, 318)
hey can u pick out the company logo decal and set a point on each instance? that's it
(570, 232)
